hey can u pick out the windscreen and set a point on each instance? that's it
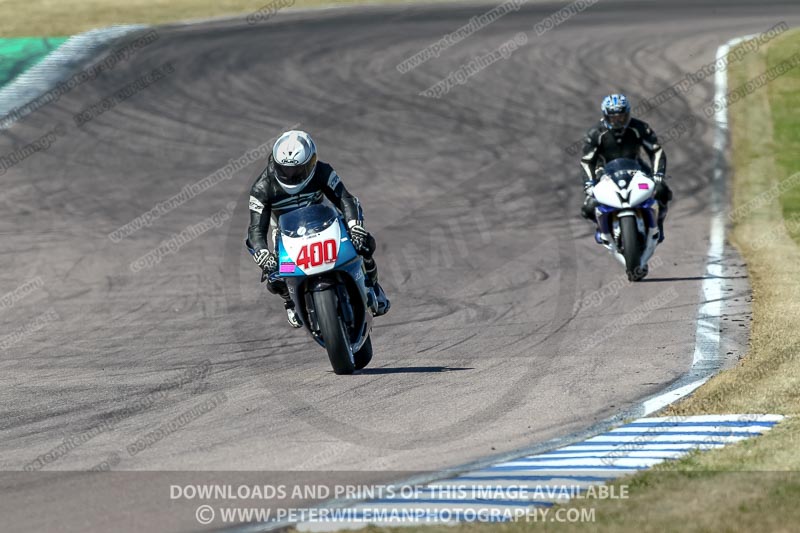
(307, 220)
(622, 168)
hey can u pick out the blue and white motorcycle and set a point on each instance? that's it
(326, 281)
(627, 215)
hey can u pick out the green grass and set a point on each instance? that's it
(19, 54)
(785, 99)
(752, 485)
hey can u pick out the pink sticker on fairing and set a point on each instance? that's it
(644, 186)
(287, 268)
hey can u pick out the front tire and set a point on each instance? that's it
(333, 332)
(364, 355)
(632, 248)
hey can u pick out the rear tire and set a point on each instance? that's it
(632, 248)
(333, 332)
(364, 355)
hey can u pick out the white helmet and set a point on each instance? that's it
(295, 159)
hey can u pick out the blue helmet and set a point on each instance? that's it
(616, 111)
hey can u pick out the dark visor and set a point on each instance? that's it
(618, 120)
(291, 175)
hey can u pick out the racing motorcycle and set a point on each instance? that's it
(326, 280)
(627, 215)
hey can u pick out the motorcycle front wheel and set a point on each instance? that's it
(632, 248)
(363, 356)
(333, 332)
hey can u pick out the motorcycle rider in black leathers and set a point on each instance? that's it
(294, 178)
(616, 136)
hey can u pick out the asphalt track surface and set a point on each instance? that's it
(473, 200)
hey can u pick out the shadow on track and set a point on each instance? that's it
(690, 278)
(413, 370)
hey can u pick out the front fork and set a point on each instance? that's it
(345, 306)
(607, 215)
(350, 274)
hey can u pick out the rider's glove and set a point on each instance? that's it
(266, 260)
(358, 235)
(658, 177)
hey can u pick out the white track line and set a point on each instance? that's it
(707, 358)
(56, 67)
(539, 482)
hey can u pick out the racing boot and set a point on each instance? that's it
(662, 215)
(279, 287)
(371, 279)
(663, 195)
(292, 315)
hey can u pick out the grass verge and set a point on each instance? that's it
(753, 485)
(22, 18)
